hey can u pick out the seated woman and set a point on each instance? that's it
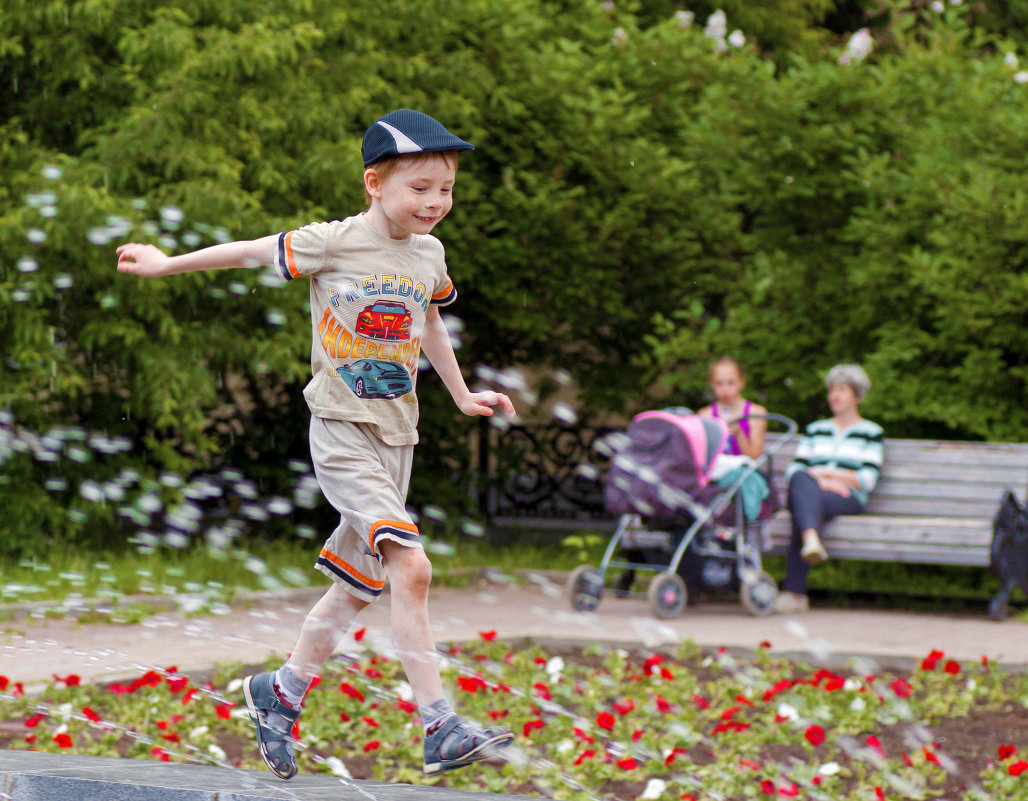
(836, 465)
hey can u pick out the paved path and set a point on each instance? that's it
(31, 650)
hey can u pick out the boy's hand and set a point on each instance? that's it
(146, 260)
(481, 403)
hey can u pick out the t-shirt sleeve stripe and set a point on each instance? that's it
(285, 262)
(446, 295)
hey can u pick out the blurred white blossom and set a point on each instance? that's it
(684, 18)
(858, 47)
(1010, 59)
(1021, 77)
(737, 38)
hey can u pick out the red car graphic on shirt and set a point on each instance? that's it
(385, 320)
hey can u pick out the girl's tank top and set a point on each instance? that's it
(732, 444)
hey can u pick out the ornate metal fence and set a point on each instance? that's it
(542, 473)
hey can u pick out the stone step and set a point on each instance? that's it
(30, 776)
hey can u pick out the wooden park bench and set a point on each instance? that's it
(934, 503)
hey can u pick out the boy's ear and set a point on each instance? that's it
(371, 182)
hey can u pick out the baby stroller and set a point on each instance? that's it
(675, 491)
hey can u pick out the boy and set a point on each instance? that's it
(377, 282)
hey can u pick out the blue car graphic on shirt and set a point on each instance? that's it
(371, 378)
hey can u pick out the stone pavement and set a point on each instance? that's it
(29, 776)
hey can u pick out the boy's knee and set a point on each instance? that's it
(408, 567)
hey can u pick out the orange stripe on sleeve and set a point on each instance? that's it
(443, 293)
(290, 261)
(370, 582)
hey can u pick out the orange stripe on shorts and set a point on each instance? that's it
(390, 524)
(370, 582)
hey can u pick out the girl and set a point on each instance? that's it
(746, 435)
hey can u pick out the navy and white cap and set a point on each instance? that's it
(407, 131)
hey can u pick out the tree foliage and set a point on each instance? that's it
(644, 194)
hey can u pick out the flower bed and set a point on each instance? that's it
(598, 723)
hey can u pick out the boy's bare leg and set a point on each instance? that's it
(410, 575)
(322, 630)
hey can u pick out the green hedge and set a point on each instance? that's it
(642, 197)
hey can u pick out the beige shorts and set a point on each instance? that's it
(366, 481)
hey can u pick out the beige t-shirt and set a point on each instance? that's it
(369, 298)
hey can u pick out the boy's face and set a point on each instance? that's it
(412, 198)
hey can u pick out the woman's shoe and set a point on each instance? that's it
(790, 603)
(813, 551)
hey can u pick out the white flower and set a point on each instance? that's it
(858, 47)
(198, 732)
(938, 6)
(234, 685)
(335, 764)
(956, 2)
(829, 769)
(565, 745)
(737, 38)
(654, 789)
(555, 666)
(857, 705)
(1021, 77)
(619, 38)
(216, 752)
(1010, 59)
(788, 712)
(717, 25)
(972, 684)
(851, 684)
(684, 18)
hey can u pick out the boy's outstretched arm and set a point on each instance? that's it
(152, 262)
(437, 347)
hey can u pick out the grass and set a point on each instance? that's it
(71, 574)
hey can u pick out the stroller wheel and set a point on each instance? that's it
(667, 594)
(758, 594)
(585, 588)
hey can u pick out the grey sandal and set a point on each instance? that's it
(276, 744)
(443, 751)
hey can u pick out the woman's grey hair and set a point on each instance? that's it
(852, 375)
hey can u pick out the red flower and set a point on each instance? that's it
(752, 764)
(674, 752)
(605, 720)
(4, 681)
(160, 753)
(652, 662)
(624, 707)
(637, 735)
(729, 713)
(30, 738)
(701, 702)
(496, 714)
(627, 764)
(19, 689)
(742, 699)
(1017, 768)
(907, 760)
(789, 792)
(63, 740)
(373, 745)
(730, 725)
(71, 680)
(589, 753)
(542, 690)
(930, 661)
(875, 743)
(409, 707)
(1005, 752)
(930, 755)
(540, 660)
(666, 674)
(767, 787)
(171, 737)
(879, 794)
(371, 722)
(224, 711)
(815, 735)
(348, 689)
(33, 721)
(187, 696)
(952, 667)
(530, 725)
(373, 673)
(687, 797)
(488, 636)
(663, 705)
(471, 684)
(90, 714)
(344, 717)
(764, 644)
(178, 683)
(359, 634)
(901, 688)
